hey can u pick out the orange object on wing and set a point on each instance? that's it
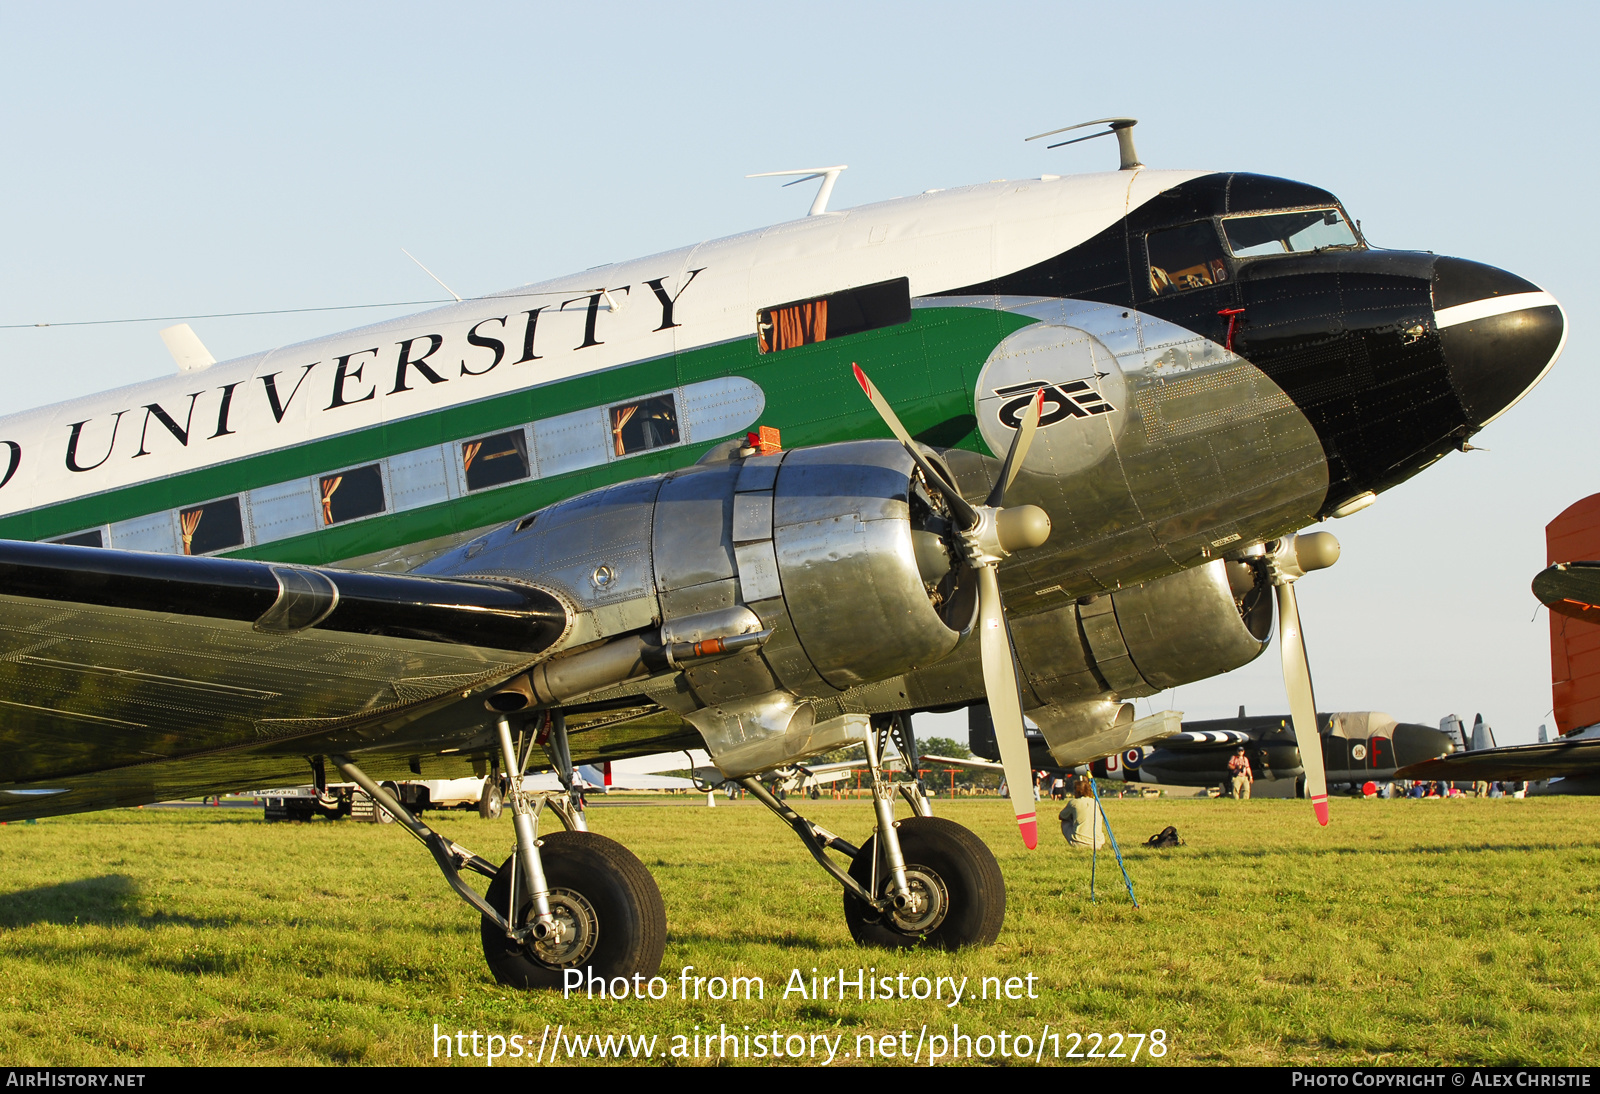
(1574, 536)
(766, 440)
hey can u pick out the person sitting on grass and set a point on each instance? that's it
(1082, 823)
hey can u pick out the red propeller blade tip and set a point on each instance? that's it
(861, 378)
(1320, 805)
(1029, 827)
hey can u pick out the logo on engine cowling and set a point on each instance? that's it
(1085, 392)
(1073, 399)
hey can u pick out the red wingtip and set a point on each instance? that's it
(1320, 805)
(1029, 827)
(861, 378)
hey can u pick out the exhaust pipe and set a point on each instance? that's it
(551, 683)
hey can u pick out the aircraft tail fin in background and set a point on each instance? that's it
(1482, 735)
(1544, 735)
(1451, 727)
(1574, 536)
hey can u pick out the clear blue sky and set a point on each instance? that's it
(175, 159)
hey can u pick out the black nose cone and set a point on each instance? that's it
(1499, 333)
(1414, 743)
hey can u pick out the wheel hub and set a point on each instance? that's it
(575, 931)
(928, 902)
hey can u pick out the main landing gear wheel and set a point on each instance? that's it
(605, 902)
(958, 896)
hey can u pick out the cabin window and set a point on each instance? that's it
(92, 538)
(852, 311)
(1288, 233)
(214, 526)
(357, 492)
(649, 423)
(1183, 258)
(491, 461)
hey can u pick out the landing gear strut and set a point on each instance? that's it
(921, 881)
(583, 901)
(572, 899)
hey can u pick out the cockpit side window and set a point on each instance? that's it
(1186, 257)
(1288, 233)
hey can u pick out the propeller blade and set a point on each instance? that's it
(1019, 449)
(1302, 704)
(963, 510)
(1005, 703)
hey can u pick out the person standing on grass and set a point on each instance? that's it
(1239, 769)
(1082, 823)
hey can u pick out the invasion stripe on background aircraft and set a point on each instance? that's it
(655, 506)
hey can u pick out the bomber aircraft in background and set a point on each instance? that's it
(1356, 746)
(660, 505)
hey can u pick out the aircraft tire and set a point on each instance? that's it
(489, 803)
(603, 895)
(379, 813)
(949, 859)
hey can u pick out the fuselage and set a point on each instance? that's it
(1226, 360)
(1356, 746)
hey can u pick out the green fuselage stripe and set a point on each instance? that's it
(926, 368)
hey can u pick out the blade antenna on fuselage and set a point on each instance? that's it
(1122, 127)
(828, 175)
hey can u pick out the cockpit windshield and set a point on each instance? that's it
(1288, 233)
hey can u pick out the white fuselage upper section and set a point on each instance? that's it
(544, 333)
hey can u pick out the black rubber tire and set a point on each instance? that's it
(489, 803)
(632, 922)
(962, 862)
(379, 813)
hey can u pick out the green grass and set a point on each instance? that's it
(1407, 932)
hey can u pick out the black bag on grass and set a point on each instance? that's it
(1167, 837)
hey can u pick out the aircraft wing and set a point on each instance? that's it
(970, 764)
(1201, 740)
(1554, 760)
(128, 678)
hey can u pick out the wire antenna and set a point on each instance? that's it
(827, 174)
(1122, 127)
(431, 274)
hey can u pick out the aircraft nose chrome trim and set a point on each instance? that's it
(1499, 334)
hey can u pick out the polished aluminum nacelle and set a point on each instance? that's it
(1195, 624)
(1082, 660)
(838, 549)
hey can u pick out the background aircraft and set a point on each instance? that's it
(1356, 746)
(1570, 587)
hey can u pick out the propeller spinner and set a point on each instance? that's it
(989, 533)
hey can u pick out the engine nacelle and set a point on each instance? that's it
(839, 550)
(1138, 641)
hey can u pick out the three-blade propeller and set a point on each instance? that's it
(1290, 559)
(988, 534)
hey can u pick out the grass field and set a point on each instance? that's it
(1407, 932)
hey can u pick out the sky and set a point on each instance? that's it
(179, 160)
